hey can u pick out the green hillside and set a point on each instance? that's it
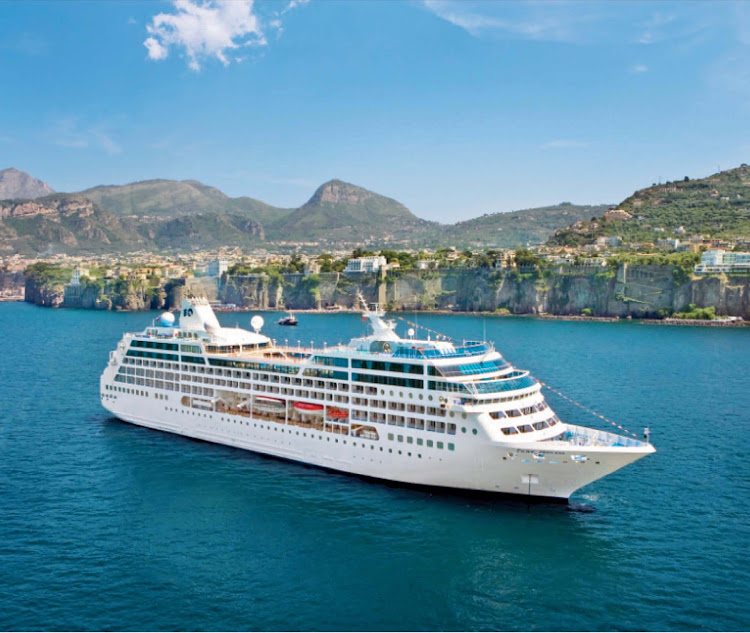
(717, 206)
(526, 227)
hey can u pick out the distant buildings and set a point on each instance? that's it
(720, 261)
(217, 267)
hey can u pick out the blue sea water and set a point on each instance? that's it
(104, 525)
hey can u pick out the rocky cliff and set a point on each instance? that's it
(635, 291)
(15, 183)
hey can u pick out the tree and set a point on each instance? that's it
(524, 257)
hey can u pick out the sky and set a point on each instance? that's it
(454, 108)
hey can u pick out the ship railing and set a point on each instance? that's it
(583, 436)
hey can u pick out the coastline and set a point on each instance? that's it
(543, 317)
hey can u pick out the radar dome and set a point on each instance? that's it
(166, 319)
(256, 322)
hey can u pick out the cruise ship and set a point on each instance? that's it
(415, 411)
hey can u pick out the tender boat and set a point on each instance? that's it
(289, 319)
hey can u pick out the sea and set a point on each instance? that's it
(108, 526)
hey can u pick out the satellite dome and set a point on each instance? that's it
(256, 322)
(166, 319)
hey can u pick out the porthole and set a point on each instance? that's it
(474, 431)
(421, 396)
(463, 415)
(463, 429)
(452, 414)
(429, 397)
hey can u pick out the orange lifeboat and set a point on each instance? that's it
(334, 412)
(309, 407)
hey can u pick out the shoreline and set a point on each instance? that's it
(543, 317)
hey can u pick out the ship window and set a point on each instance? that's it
(429, 443)
(451, 447)
(511, 430)
(440, 445)
(463, 429)
(390, 436)
(540, 425)
(474, 431)
(409, 440)
(525, 428)
(400, 438)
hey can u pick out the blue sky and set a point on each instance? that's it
(455, 108)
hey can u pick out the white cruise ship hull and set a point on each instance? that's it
(475, 464)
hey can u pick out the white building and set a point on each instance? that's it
(217, 267)
(75, 279)
(721, 261)
(366, 264)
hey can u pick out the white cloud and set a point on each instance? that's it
(653, 29)
(545, 21)
(639, 68)
(292, 4)
(564, 143)
(204, 30)
(70, 132)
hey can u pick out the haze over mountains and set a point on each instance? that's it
(187, 215)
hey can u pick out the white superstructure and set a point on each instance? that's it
(426, 412)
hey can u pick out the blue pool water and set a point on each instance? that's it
(104, 525)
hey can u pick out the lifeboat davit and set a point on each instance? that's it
(269, 403)
(309, 407)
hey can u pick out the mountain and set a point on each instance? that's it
(71, 223)
(170, 199)
(716, 206)
(336, 211)
(153, 215)
(529, 226)
(18, 184)
(341, 211)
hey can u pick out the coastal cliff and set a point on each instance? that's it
(628, 291)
